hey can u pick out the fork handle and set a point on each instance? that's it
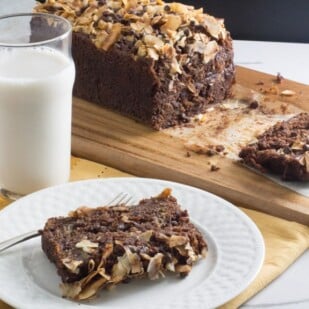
(18, 239)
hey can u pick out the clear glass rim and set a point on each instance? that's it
(62, 36)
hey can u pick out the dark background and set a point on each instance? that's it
(272, 20)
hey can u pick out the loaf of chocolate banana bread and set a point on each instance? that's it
(157, 62)
(283, 149)
(96, 248)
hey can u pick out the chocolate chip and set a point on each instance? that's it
(186, 32)
(254, 105)
(125, 22)
(210, 152)
(199, 28)
(287, 150)
(190, 40)
(219, 148)
(293, 134)
(184, 118)
(306, 147)
(167, 8)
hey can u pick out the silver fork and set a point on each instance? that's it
(121, 198)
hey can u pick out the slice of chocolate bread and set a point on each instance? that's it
(157, 62)
(283, 149)
(96, 248)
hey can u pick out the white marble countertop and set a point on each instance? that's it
(291, 289)
(290, 59)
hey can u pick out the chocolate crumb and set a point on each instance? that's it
(283, 108)
(260, 83)
(279, 78)
(220, 148)
(188, 154)
(214, 168)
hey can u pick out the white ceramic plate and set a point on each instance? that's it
(235, 255)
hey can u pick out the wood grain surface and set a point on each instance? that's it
(107, 137)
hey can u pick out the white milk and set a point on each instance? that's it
(35, 118)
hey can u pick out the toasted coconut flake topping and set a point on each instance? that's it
(165, 193)
(298, 145)
(83, 210)
(91, 265)
(121, 269)
(154, 266)
(170, 266)
(171, 24)
(204, 252)
(146, 235)
(134, 260)
(90, 290)
(192, 256)
(184, 269)
(71, 290)
(176, 240)
(87, 245)
(72, 265)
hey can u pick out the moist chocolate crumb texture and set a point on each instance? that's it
(283, 149)
(95, 248)
(157, 62)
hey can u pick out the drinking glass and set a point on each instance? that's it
(36, 80)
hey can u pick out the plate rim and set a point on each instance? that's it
(257, 233)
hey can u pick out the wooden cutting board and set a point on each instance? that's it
(107, 137)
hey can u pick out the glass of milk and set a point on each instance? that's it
(36, 80)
